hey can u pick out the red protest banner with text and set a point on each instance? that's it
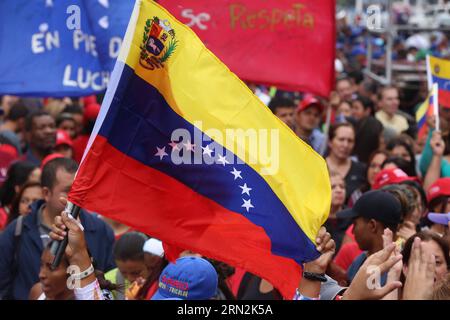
(286, 43)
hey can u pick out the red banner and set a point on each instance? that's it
(286, 43)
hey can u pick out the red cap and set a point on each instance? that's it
(391, 176)
(62, 137)
(309, 100)
(49, 158)
(91, 112)
(9, 150)
(88, 100)
(440, 188)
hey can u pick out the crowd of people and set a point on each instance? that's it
(390, 207)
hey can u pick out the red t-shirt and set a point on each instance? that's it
(349, 232)
(3, 218)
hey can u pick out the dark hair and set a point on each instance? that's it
(18, 174)
(357, 76)
(367, 137)
(366, 102)
(224, 271)
(370, 86)
(88, 127)
(425, 236)
(401, 164)
(405, 196)
(142, 293)
(440, 202)
(73, 109)
(366, 186)
(373, 154)
(335, 127)
(130, 246)
(442, 290)
(416, 185)
(385, 88)
(16, 201)
(48, 177)
(106, 284)
(31, 116)
(411, 170)
(280, 102)
(18, 111)
(64, 117)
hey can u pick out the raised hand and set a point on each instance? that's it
(421, 273)
(396, 271)
(64, 225)
(361, 287)
(327, 247)
(437, 144)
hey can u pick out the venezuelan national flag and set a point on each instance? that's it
(170, 97)
(438, 71)
(427, 109)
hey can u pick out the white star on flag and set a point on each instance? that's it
(236, 174)
(174, 145)
(189, 146)
(207, 150)
(104, 22)
(161, 153)
(222, 160)
(247, 204)
(104, 3)
(245, 189)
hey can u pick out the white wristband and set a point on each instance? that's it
(84, 274)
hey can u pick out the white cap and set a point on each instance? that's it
(154, 246)
(338, 66)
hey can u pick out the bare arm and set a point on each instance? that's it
(434, 170)
(326, 246)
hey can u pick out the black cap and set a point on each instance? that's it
(378, 205)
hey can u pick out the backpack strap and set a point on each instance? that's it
(17, 237)
(15, 262)
(19, 227)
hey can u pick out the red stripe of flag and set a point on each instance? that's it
(167, 202)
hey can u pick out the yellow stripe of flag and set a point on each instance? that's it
(440, 67)
(199, 87)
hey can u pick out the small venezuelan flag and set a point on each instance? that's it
(438, 71)
(171, 99)
(427, 108)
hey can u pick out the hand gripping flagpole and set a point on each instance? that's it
(59, 247)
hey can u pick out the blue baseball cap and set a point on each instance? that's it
(439, 218)
(189, 278)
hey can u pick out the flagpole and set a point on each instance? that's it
(326, 129)
(59, 247)
(436, 105)
(429, 74)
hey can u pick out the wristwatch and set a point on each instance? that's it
(315, 276)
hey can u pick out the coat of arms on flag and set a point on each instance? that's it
(158, 43)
